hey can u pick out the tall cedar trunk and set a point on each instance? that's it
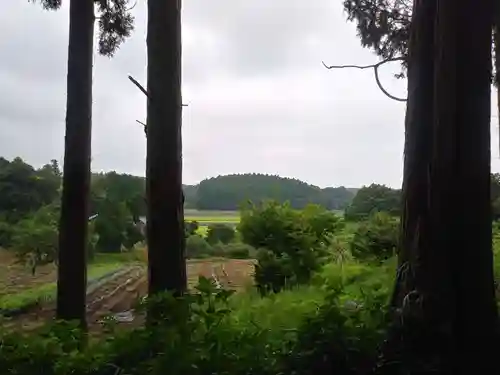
(72, 270)
(496, 41)
(418, 146)
(165, 214)
(470, 247)
(421, 295)
(449, 323)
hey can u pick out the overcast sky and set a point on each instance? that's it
(259, 98)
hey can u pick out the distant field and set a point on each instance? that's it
(212, 216)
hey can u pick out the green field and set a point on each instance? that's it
(205, 218)
(212, 217)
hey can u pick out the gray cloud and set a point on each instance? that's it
(260, 100)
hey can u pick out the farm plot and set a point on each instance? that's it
(116, 295)
(206, 218)
(19, 288)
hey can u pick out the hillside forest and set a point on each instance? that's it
(29, 195)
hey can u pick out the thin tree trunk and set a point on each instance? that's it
(72, 270)
(165, 214)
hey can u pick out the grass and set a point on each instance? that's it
(101, 265)
(207, 213)
(280, 311)
(212, 217)
(206, 218)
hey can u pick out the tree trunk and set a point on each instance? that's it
(165, 212)
(421, 295)
(418, 145)
(470, 246)
(72, 270)
(444, 294)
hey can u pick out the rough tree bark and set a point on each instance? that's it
(165, 216)
(445, 314)
(469, 237)
(72, 269)
(422, 272)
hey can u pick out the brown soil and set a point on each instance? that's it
(120, 295)
(15, 277)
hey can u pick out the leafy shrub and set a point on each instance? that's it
(190, 227)
(35, 238)
(234, 250)
(301, 331)
(115, 227)
(371, 199)
(133, 235)
(220, 233)
(376, 238)
(6, 232)
(338, 340)
(291, 242)
(198, 247)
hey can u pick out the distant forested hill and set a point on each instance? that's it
(228, 192)
(25, 189)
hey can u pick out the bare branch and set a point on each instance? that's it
(132, 7)
(139, 86)
(375, 71)
(144, 91)
(145, 127)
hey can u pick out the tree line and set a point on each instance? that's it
(30, 205)
(380, 198)
(24, 189)
(230, 191)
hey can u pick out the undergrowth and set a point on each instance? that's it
(333, 324)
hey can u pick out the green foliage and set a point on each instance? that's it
(378, 237)
(116, 23)
(495, 195)
(24, 190)
(6, 232)
(115, 227)
(191, 227)
(371, 199)
(111, 226)
(121, 188)
(197, 247)
(228, 192)
(234, 250)
(220, 233)
(383, 25)
(35, 238)
(329, 329)
(290, 242)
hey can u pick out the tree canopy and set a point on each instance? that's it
(229, 192)
(372, 199)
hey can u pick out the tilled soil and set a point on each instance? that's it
(107, 295)
(120, 294)
(15, 277)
